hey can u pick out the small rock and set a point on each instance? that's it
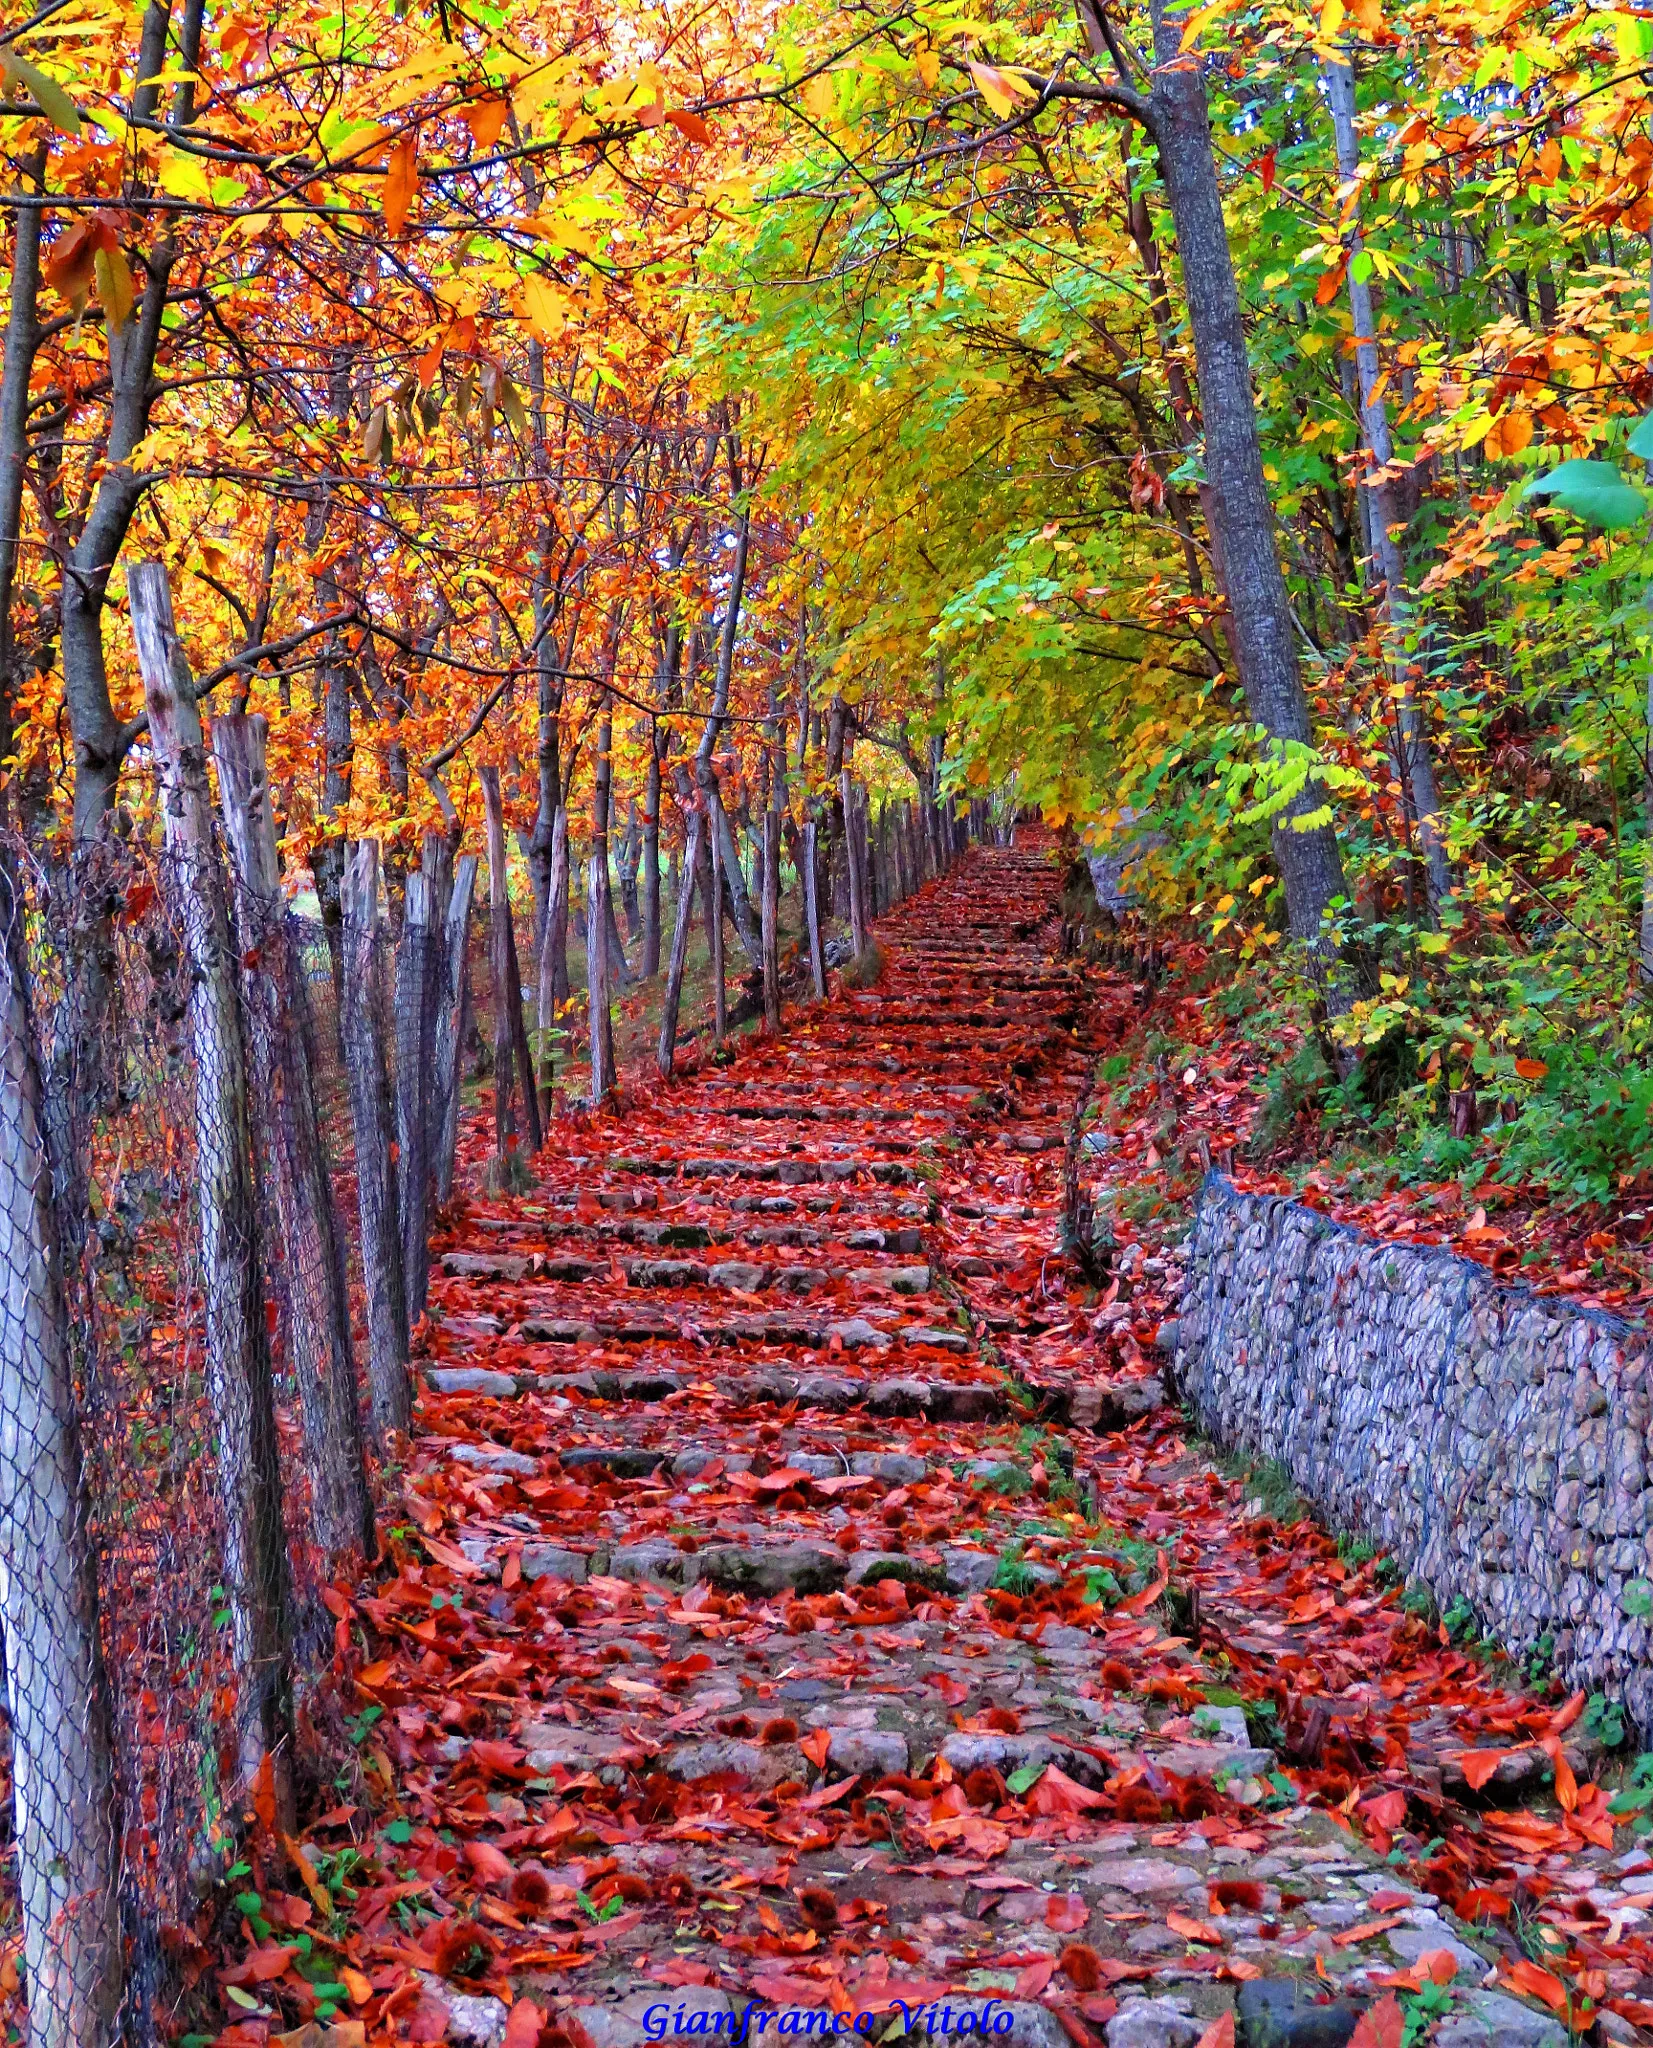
(1277, 2012)
(763, 1765)
(1128, 1401)
(472, 2022)
(774, 1568)
(1003, 1753)
(550, 1561)
(482, 1266)
(742, 1275)
(969, 1571)
(1487, 2019)
(855, 1333)
(1151, 2023)
(1144, 1874)
(636, 2018)
(470, 1379)
(1411, 1942)
(895, 1466)
(868, 1567)
(492, 1458)
(879, 1750)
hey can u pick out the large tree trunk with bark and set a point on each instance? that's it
(651, 865)
(64, 1833)
(812, 909)
(372, 1120)
(254, 1566)
(597, 982)
(1310, 865)
(310, 1271)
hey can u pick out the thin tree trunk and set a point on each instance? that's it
(672, 1005)
(651, 865)
(390, 1390)
(1387, 514)
(720, 1004)
(310, 1271)
(22, 342)
(56, 1689)
(254, 1568)
(597, 985)
(552, 977)
(771, 921)
(852, 834)
(812, 909)
(451, 1022)
(499, 933)
(415, 967)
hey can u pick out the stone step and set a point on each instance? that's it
(739, 1276)
(934, 1400)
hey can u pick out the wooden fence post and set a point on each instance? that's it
(56, 1691)
(413, 1083)
(237, 1344)
(310, 1271)
(451, 1020)
(389, 1389)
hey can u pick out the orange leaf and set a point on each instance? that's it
(815, 1746)
(485, 120)
(522, 2029)
(264, 1804)
(1479, 1765)
(1191, 1929)
(1220, 2033)
(1534, 1070)
(1056, 1792)
(356, 1984)
(1566, 1785)
(401, 177)
(688, 124)
(1564, 1716)
(1379, 2026)
(1330, 285)
(1537, 1983)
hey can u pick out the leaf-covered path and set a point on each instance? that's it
(776, 1625)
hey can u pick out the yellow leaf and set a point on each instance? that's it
(1331, 19)
(929, 67)
(114, 284)
(1369, 15)
(1196, 22)
(994, 87)
(545, 308)
(820, 97)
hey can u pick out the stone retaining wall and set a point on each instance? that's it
(1494, 1442)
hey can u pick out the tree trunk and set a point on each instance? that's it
(310, 1271)
(852, 851)
(56, 1691)
(451, 1021)
(1387, 512)
(771, 921)
(390, 1390)
(499, 953)
(812, 909)
(672, 1005)
(720, 1005)
(415, 965)
(505, 943)
(1311, 867)
(597, 984)
(552, 977)
(254, 1567)
(651, 866)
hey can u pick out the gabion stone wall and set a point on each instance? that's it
(1494, 1442)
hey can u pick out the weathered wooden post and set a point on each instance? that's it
(237, 1344)
(310, 1271)
(451, 1020)
(771, 920)
(56, 1693)
(414, 962)
(516, 1064)
(389, 1390)
(852, 854)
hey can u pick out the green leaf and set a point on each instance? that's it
(1025, 1779)
(399, 1831)
(46, 93)
(1637, 1599)
(1596, 491)
(1641, 438)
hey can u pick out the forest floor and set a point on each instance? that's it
(805, 1602)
